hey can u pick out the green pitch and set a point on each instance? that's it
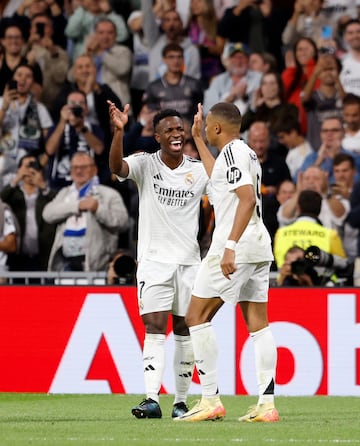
(86, 420)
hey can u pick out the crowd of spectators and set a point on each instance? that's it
(292, 68)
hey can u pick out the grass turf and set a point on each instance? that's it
(39, 419)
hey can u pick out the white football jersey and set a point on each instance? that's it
(237, 165)
(169, 207)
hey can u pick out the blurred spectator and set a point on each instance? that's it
(237, 84)
(246, 22)
(262, 62)
(174, 89)
(289, 134)
(268, 104)
(274, 168)
(221, 5)
(349, 75)
(338, 12)
(89, 217)
(24, 121)
(332, 134)
(72, 133)
(83, 77)
(297, 73)
(160, 7)
(271, 204)
(28, 9)
(11, 56)
(113, 61)
(324, 100)
(190, 149)
(8, 7)
(344, 175)
(307, 230)
(140, 65)
(334, 208)
(351, 118)
(52, 59)
(307, 20)
(8, 242)
(27, 195)
(172, 31)
(140, 136)
(82, 22)
(202, 30)
(353, 222)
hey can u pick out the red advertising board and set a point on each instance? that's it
(88, 339)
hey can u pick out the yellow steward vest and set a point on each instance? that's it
(305, 232)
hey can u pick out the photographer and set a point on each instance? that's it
(122, 268)
(307, 230)
(73, 133)
(295, 271)
(27, 195)
(52, 58)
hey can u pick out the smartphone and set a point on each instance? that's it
(35, 165)
(77, 111)
(326, 32)
(12, 84)
(40, 29)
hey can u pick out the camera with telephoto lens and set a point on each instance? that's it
(315, 257)
(125, 267)
(77, 111)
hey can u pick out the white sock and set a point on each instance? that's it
(154, 364)
(265, 363)
(183, 367)
(205, 351)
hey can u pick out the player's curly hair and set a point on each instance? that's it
(165, 114)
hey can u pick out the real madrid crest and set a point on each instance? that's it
(189, 179)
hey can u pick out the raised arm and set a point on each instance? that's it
(197, 133)
(119, 120)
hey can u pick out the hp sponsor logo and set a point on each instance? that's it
(233, 175)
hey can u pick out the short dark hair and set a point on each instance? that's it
(26, 65)
(172, 47)
(351, 99)
(350, 22)
(26, 156)
(43, 14)
(287, 124)
(77, 90)
(165, 114)
(309, 203)
(105, 20)
(342, 157)
(228, 112)
(11, 24)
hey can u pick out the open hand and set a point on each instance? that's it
(119, 118)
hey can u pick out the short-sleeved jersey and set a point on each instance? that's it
(169, 207)
(237, 165)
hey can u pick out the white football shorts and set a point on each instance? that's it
(164, 286)
(250, 281)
